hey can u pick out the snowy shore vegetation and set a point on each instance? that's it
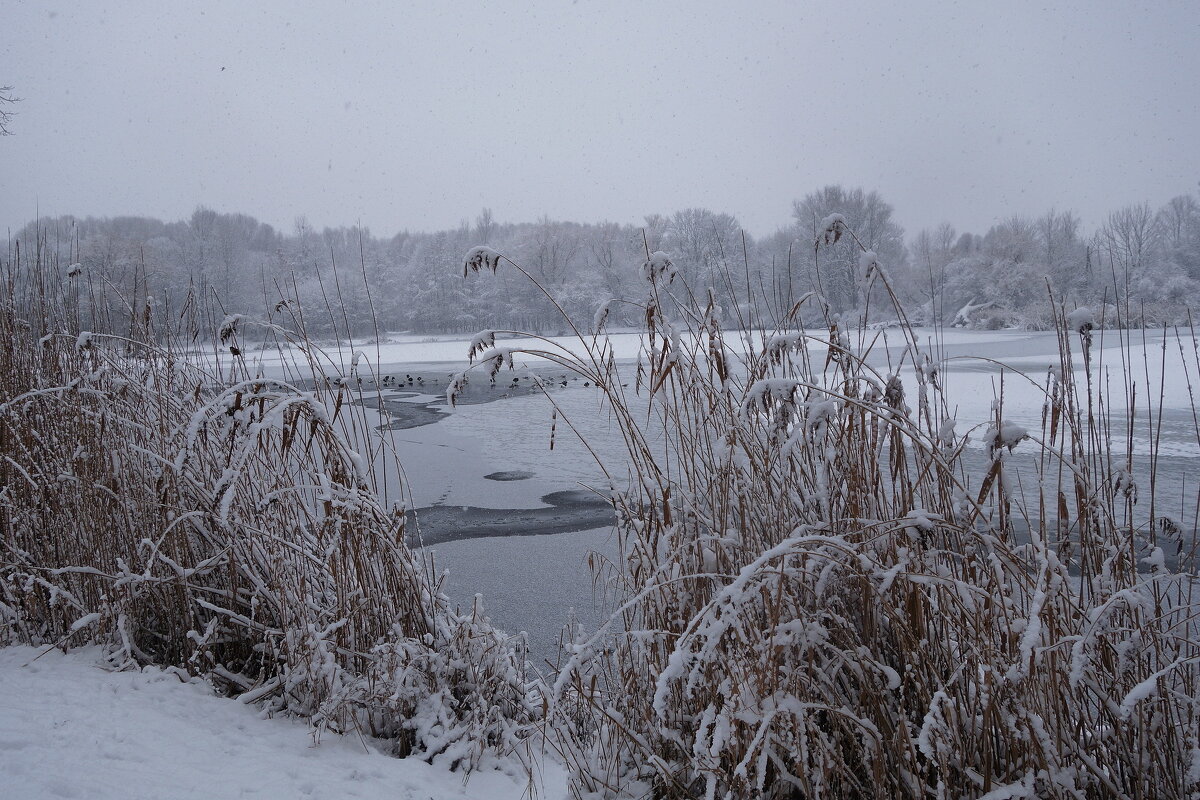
(818, 595)
(202, 517)
(819, 592)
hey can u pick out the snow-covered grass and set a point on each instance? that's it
(71, 729)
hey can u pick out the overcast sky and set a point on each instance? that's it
(398, 115)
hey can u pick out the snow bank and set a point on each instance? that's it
(71, 729)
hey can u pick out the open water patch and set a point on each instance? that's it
(566, 511)
(509, 475)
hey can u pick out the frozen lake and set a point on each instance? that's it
(494, 453)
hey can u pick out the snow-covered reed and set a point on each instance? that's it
(216, 520)
(817, 595)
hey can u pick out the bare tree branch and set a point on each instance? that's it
(6, 98)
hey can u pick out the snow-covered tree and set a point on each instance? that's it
(870, 218)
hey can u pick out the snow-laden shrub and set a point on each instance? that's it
(820, 593)
(203, 517)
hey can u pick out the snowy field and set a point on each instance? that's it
(70, 729)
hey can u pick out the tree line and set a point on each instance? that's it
(1143, 260)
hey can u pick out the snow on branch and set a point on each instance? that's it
(481, 342)
(962, 317)
(832, 228)
(1081, 320)
(659, 268)
(480, 258)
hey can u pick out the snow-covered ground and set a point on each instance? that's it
(71, 729)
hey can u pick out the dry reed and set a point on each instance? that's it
(179, 510)
(819, 594)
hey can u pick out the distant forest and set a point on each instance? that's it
(1140, 258)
